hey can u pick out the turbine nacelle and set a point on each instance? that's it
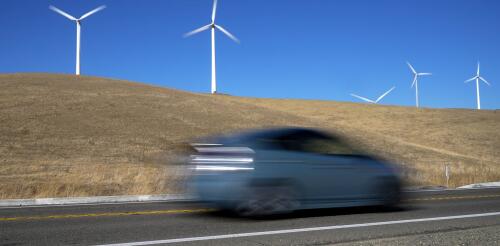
(78, 20)
(212, 26)
(478, 77)
(416, 74)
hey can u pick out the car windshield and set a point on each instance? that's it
(307, 141)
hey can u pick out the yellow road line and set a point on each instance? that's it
(453, 198)
(67, 216)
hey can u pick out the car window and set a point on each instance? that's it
(269, 143)
(305, 141)
(328, 146)
(316, 142)
(294, 141)
(290, 143)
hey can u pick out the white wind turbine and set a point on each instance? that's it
(477, 78)
(372, 101)
(415, 80)
(213, 26)
(78, 26)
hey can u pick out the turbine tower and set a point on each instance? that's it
(372, 101)
(415, 80)
(78, 27)
(212, 26)
(477, 78)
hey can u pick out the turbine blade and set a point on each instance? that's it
(93, 12)
(471, 79)
(62, 13)
(383, 95)
(414, 80)
(201, 29)
(411, 67)
(231, 36)
(481, 78)
(424, 74)
(477, 69)
(214, 9)
(363, 98)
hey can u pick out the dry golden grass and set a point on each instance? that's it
(48, 179)
(62, 135)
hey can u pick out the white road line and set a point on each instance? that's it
(308, 229)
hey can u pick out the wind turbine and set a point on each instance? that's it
(415, 80)
(372, 101)
(212, 26)
(78, 26)
(477, 78)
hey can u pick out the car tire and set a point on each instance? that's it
(264, 201)
(389, 191)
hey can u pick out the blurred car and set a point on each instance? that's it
(280, 170)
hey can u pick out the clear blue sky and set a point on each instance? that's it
(315, 49)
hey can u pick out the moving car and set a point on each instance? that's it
(280, 170)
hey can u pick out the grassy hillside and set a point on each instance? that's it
(62, 135)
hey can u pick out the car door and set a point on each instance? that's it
(333, 177)
(336, 175)
(287, 158)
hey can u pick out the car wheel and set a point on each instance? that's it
(390, 192)
(268, 201)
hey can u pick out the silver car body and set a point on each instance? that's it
(273, 170)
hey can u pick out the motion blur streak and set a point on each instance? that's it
(280, 170)
(221, 168)
(225, 149)
(207, 159)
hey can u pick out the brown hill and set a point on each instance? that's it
(62, 135)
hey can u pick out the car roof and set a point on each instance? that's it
(274, 132)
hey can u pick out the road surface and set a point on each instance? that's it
(433, 217)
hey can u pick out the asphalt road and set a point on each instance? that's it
(470, 217)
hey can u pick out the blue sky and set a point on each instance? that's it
(316, 49)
